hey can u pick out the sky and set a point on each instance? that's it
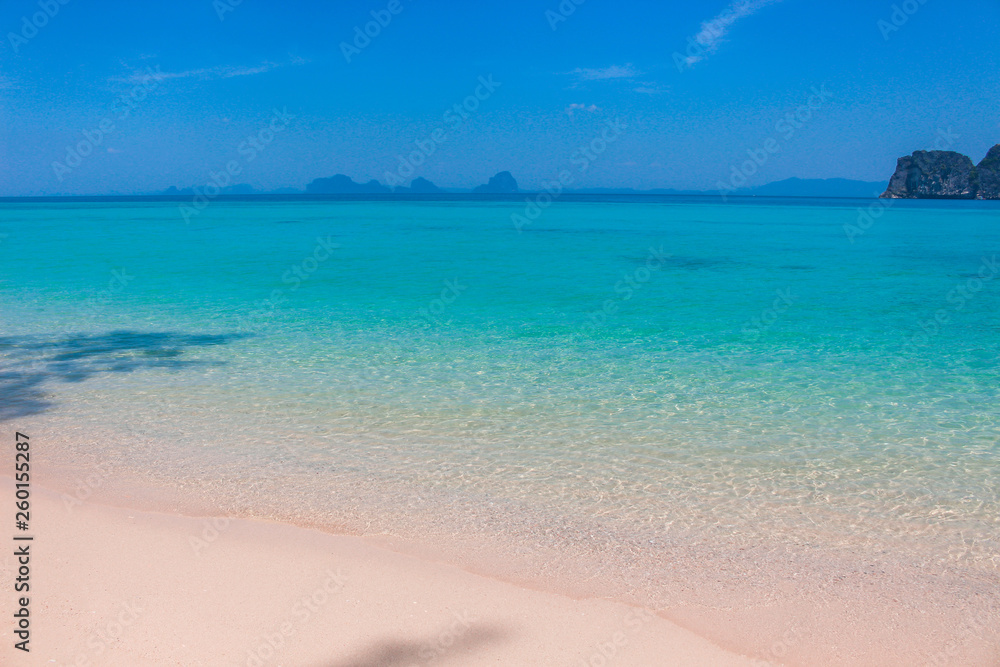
(101, 97)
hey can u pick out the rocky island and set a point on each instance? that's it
(988, 172)
(340, 184)
(502, 184)
(945, 175)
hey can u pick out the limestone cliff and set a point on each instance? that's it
(945, 175)
(932, 175)
(988, 175)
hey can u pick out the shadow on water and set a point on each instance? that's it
(452, 642)
(29, 363)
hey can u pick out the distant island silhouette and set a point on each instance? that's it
(344, 185)
(504, 183)
(501, 184)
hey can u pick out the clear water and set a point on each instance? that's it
(600, 370)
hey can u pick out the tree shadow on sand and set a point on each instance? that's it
(448, 645)
(29, 363)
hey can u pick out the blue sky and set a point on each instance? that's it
(743, 67)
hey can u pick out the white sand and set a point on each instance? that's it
(111, 586)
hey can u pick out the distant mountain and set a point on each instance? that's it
(173, 191)
(945, 175)
(817, 187)
(504, 183)
(791, 187)
(501, 184)
(344, 185)
(419, 186)
(241, 189)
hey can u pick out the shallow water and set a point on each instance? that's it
(666, 372)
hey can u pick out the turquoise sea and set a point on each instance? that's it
(651, 375)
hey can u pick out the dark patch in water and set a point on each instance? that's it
(694, 262)
(681, 261)
(31, 362)
(797, 267)
(527, 229)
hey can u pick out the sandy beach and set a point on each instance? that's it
(123, 587)
(406, 334)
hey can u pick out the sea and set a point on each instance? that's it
(622, 393)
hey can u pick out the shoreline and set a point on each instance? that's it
(786, 614)
(311, 596)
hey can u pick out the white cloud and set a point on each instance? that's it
(221, 72)
(649, 88)
(714, 31)
(576, 106)
(603, 73)
(209, 73)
